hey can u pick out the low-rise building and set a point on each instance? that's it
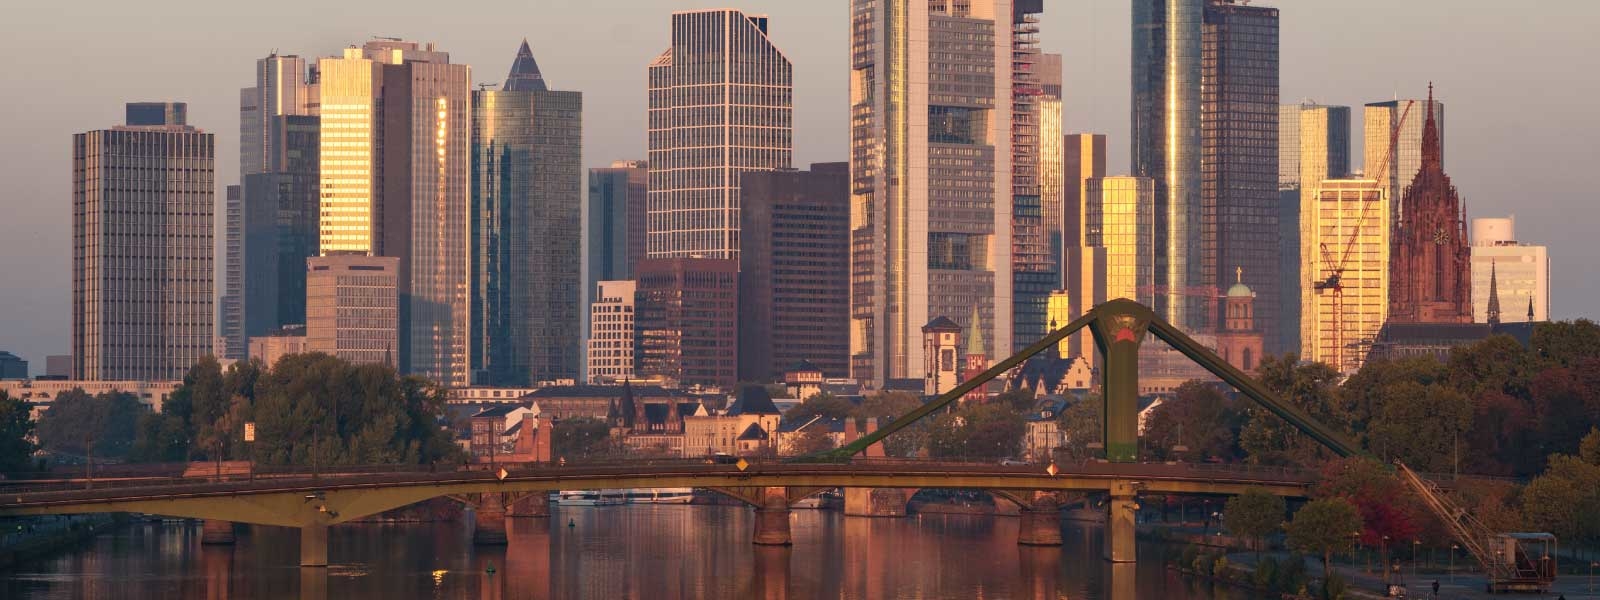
(12, 366)
(731, 431)
(278, 344)
(41, 392)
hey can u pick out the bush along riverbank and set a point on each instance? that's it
(1272, 576)
(29, 538)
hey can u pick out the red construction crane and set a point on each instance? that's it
(1333, 282)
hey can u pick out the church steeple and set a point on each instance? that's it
(975, 335)
(1530, 308)
(1432, 150)
(1494, 296)
(525, 75)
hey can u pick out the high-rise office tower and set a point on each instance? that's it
(1521, 273)
(263, 285)
(1340, 317)
(1239, 158)
(610, 355)
(1400, 122)
(353, 307)
(1120, 217)
(931, 176)
(1052, 173)
(1033, 268)
(616, 219)
(1313, 146)
(527, 145)
(1165, 139)
(1083, 269)
(1430, 275)
(721, 104)
(794, 271)
(686, 313)
(142, 246)
(394, 180)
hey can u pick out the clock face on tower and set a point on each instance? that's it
(1440, 236)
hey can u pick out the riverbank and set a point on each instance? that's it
(31, 538)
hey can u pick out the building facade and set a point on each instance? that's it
(931, 176)
(353, 307)
(720, 105)
(1165, 132)
(686, 313)
(1521, 273)
(1083, 272)
(1033, 268)
(617, 197)
(1339, 322)
(1239, 157)
(1120, 217)
(611, 332)
(1239, 341)
(1313, 146)
(1393, 134)
(527, 216)
(143, 203)
(395, 175)
(794, 271)
(1430, 275)
(278, 344)
(12, 366)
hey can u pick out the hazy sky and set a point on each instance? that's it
(1520, 80)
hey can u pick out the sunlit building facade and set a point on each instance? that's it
(395, 175)
(720, 105)
(1350, 219)
(610, 354)
(143, 201)
(1120, 216)
(353, 307)
(1083, 271)
(1313, 145)
(1521, 273)
(527, 204)
(1165, 132)
(1379, 122)
(931, 176)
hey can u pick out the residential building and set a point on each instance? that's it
(1239, 157)
(794, 271)
(932, 98)
(12, 366)
(353, 307)
(720, 106)
(394, 178)
(611, 332)
(1393, 134)
(143, 206)
(278, 344)
(1518, 274)
(686, 320)
(752, 417)
(1120, 216)
(1165, 129)
(1343, 304)
(1430, 275)
(526, 227)
(271, 221)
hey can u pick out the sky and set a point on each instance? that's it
(1520, 81)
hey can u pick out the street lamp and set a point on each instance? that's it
(1355, 543)
(1453, 548)
(1416, 547)
(1383, 546)
(1592, 565)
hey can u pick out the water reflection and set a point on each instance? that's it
(634, 553)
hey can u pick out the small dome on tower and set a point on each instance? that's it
(1239, 289)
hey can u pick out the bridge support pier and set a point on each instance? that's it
(875, 502)
(489, 521)
(1121, 527)
(314, 545)
(772, 518)
(216, 532)
(536, 504)
(1041, 522)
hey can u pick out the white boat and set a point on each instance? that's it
(660, 495)
(591, 497)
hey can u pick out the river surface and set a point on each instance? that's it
(636, 552)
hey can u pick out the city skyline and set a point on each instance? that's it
(1500, 182)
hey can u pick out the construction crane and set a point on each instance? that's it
(1333, 281)
(1506, 559)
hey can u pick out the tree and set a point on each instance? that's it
(1266, 438)
(1566, 404)
(1565, 501)
(1387, 506)
(811, 441)
(823, 404)
(1199, 417)
(1081, 425)
(977, 431)
(1420, 425)
(1020, 399)
(75, 421)
(1322, 527)
(1363, 393)
(1254, 514)
(16, 429)
(1563, 343)
(888, 406)
(581, 437)
(1499, 363)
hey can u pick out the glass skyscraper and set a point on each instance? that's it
(1345, 210)
(394, 180)
(720, 105)
(1165, 135)
(1313, 145)
(527, 146)
(1121, 218)
(1384, 119)
(931, 177)
(142, 246)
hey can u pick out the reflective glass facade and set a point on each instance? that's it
(720, 105)
(1121, 218)
(1346, 210)
(526, 220)
(143, 203)
(1380, 121)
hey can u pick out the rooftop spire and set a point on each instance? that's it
(1530, 308)
(1431, 152)
(525, 75)
(1494, 297)
(975, 335)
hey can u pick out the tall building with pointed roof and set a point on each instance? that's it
(527, 198)
(1430, 272)
(1494, 297)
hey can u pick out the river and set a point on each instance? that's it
(616, 552)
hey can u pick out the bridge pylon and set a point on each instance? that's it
(489, 520)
